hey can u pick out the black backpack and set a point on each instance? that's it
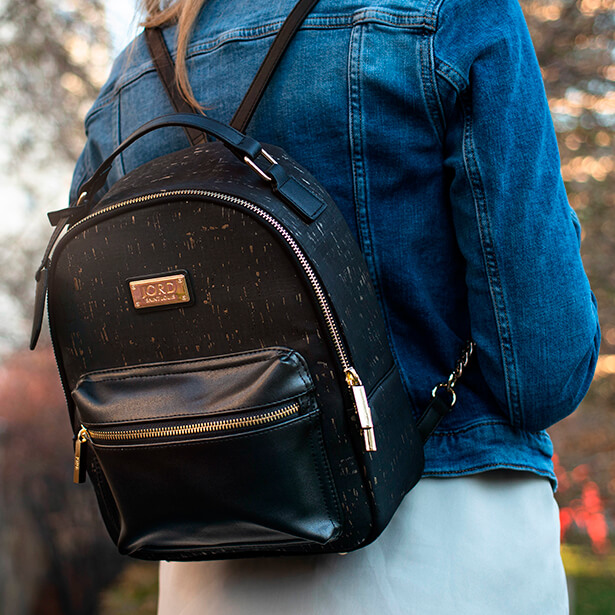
(225, 361)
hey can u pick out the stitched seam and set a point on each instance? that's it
(357, 161)
(489, 255)
(381, 382)
(118, 134)
(104, 490)
(503, 465)
(357, 155)
(269, 30)
(279, 351)
(463, 430)
(402, 373)
(491, 269)
(318, 23)
(450, 74)
(434, 10)
(324, 22)
(300, 372)
(200, 441)
(300, 366)
(387, 376)
(359, 169)
(316, 434)
(354, 117)
(163, 374)
(377, 15)
(428, 87)
(297, 546)
(201, 416)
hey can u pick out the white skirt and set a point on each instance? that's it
(482, 544)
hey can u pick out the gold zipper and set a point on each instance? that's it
(362, 406)
(352, 378)
(196, 428)
(203, 427)
(80, 451)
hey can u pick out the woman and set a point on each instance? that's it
(427, 122)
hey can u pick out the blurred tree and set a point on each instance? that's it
(575, 45)
(55, 555)
(53, 54)
(53, 58)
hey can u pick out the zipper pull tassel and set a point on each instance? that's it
(363, 410)
(81, 447)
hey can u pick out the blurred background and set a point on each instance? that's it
(55, 556)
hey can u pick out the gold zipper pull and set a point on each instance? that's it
(363, 409)
(80, 456)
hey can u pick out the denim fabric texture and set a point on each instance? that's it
(427, 122)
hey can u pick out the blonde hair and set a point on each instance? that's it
(184, 13)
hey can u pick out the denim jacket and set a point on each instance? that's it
(427, 122)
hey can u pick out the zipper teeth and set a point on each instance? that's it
(138, 199)
(305, 264)
(197, 428)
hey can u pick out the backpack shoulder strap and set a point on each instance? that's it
(248, 105)
(166, 69)
(166, 72)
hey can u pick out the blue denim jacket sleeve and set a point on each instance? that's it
(533, 315)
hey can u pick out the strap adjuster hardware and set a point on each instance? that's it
(262, 172)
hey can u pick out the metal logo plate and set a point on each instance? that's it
(163, 290)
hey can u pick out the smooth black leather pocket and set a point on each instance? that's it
(209, 454)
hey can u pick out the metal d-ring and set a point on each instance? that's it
(81, 198)
(445, 385)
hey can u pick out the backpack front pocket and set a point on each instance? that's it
(206, 455)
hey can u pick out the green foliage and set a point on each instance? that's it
(135, 591)
(591, 579)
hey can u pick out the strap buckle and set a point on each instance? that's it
(262, 172)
